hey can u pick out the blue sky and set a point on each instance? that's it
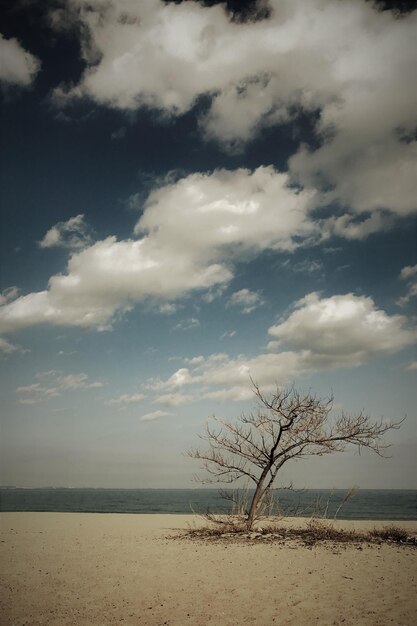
(194, 194)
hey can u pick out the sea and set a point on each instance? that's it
(370, 504)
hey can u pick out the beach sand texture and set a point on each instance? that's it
(103, 569)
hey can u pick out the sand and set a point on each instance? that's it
(98, 569)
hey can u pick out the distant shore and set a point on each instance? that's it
(97, 569)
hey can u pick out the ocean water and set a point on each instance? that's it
(365, 504)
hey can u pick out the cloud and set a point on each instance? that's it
(341, 331)
(411, 367)
(246, 300)
(168, 308)
(119, 134)
(238, 393)
(187, 324)
(195, 360)
(356, 227)
(307, 266)
(6, 347)
(8, 294)
(347, 62)
(181, 46)
(233, 375)
(228, 334)
(52, 385)
(178, 379)
(410, 271)
(71, 234)
(226, 214)
(17, 67)
(173, 399)
(77, 381)
(221, 377)
(126, 399)
(319, 334)
(213, 294)
(148, 417)
(201, 226)
(409, 274)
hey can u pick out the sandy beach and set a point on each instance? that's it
(98, 569)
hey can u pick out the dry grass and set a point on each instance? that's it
(392, 533)
(316, 531)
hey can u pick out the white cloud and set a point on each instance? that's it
(356, 227)
(180, 378)
(411, 367)
(200, 226)
(337, 332)
(8, 294)
(246, 300)
(213, 294)
(77, 381)
(7, 347)
(126, 399)
(17, 67)
(237, 372)
(187, 324)
(168, 308)
(409, 274)
(173, 399)
(410, 271)
(238, 393)
(307, 267)
(228, 334)
(201, 362)
(179, 45)
(148, 417)
(225, 214)
(221, 377)
(52, 385)
(71, 234)
(195, 360)
(341, 331)
(35, 393)
(350, 62)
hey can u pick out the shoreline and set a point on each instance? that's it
(65, 569)
(408, 524)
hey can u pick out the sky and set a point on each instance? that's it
(195, 194)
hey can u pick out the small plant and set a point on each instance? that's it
(347, 497)
(323, 530)
(390, 533)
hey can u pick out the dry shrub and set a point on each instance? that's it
(322, 530)
(316, 531)
(391, 533)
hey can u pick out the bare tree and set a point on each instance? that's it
(286, 425)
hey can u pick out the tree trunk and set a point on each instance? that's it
(257, 498)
